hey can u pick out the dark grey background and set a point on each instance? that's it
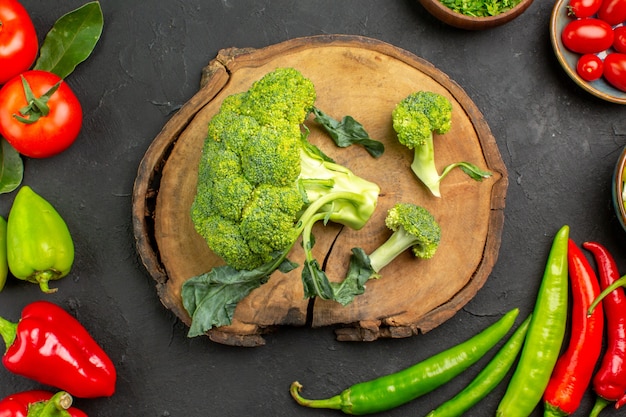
(559, 143)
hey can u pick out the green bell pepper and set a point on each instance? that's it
(39, 244)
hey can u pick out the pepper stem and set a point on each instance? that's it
(615, 285)
(8, 331)
(598, 406)
(44, 277)
(333, 403)
(56, 406)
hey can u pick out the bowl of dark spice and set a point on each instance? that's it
(476, 14)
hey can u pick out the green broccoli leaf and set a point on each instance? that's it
(315, 281)
(359, 271)
(348, 132)
(211, 298)
(317, 284)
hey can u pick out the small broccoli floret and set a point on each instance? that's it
(416, 119)
(413, 228)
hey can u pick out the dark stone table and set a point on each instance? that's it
(559, 144)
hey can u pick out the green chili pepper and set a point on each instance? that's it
(39, 245)
(393, 390)
(4, 266)
(487, 379)
(545, 336)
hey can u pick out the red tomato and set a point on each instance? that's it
(584, 8)
(613, 11)
(18, 40)
(587, 36)
(615, 70)
(51, 133)
(589, 67)
(619, 41)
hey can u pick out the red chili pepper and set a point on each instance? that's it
(574, 369)
(50, 346)
(609, 383)
(39, 403)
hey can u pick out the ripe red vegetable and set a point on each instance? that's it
(589, 67)
(17, 405)
(615, 70)
(612, 12)
(39, 114)
(609, 382)
(574, 369)
(50, 346)
(587, 36)
(619, 41)
(584, 8)
(18, 40)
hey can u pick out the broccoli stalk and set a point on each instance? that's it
(413, 228)
(416, 120)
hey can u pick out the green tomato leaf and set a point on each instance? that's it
(11, 167)
(71, 40)
(348, 132)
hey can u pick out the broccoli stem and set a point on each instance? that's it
(424, 166)
(353, 198)
(397, 243)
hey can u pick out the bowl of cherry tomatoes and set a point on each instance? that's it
(476, 15)
(589, 40)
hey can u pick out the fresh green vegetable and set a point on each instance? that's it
(4, 266)
(416, 119)
(480, 8)
(487, 379)
(413, 227)
(39, 245)
(393, 390)
(262, 185)
(545, 335)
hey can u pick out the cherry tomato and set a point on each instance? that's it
(584, 8)
(18, 40)
(615, 70)
(589, 67)
(47, 129)
(587, 36)
(619, 41)
(612, 12)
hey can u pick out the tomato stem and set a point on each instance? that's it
(37, 107)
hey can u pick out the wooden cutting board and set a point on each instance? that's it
(355, 76)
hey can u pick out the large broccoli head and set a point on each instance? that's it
(258, 175)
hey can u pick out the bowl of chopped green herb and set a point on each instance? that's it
(476, 14)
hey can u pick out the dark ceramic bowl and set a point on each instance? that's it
(459, 20)
(619, 177)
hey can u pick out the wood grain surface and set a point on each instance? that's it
(353, 76)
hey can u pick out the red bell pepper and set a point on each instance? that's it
(574, 369)
(609, 382)
(39, 403)
(50, 346)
